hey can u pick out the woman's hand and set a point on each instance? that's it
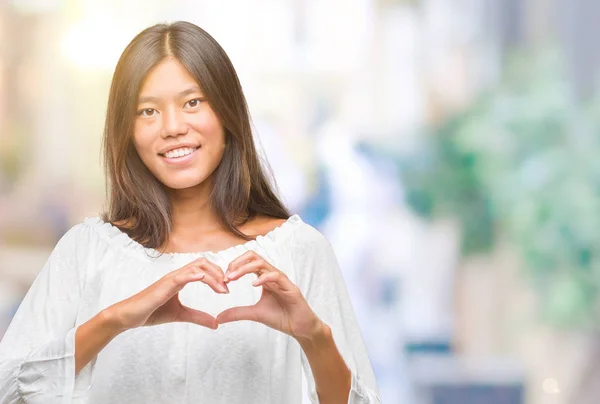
(159, 303)
(281, 305)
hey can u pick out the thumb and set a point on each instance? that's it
(189, 315)
(237, 314)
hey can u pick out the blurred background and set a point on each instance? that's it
(446, 148)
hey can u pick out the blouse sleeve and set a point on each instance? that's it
(37, 352)
(322, 284)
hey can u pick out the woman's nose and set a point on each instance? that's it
(174, 123)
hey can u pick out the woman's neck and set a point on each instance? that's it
(191, 210)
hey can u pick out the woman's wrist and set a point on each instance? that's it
(318, 336)
(112, 321)
(92, 336)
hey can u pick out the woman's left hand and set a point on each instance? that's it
(281, 305)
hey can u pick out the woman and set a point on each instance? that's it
(146, 303)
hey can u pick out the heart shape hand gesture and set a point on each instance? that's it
(281, 305)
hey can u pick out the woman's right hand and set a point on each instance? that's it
(159, 303)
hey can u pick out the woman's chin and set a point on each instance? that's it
(183, 183)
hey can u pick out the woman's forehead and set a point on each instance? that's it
(168, 79)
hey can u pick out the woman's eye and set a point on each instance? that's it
(194, 103)
(146, 112)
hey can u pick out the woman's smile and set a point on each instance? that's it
(181, 156)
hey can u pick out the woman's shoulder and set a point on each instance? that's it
(297, 234)
(262, 225)
(78, 239)
(292, 232)
(101, 233)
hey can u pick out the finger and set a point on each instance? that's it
(237, 314)
(213, 269)
(170, 284)
(186, 275)
(214, 284)
(275, 277)
(195, 273)
(189, 315)
(242, 259)
(209, 267)
(258, 266)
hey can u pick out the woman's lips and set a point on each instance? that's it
(178, 161)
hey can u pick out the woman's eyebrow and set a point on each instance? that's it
(147, 98)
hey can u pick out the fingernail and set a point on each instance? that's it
(222, 289)
(226, 289)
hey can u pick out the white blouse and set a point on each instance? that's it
(95, 265)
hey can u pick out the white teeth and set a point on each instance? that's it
(183, 151)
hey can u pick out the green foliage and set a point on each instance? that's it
(523, 162)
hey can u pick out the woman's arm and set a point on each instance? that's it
(332, 377)
(91, 338)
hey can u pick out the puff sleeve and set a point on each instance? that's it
(320, 279)
(37, 352)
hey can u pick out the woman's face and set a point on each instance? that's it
(177, 135)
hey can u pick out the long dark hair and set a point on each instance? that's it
(134, 196)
